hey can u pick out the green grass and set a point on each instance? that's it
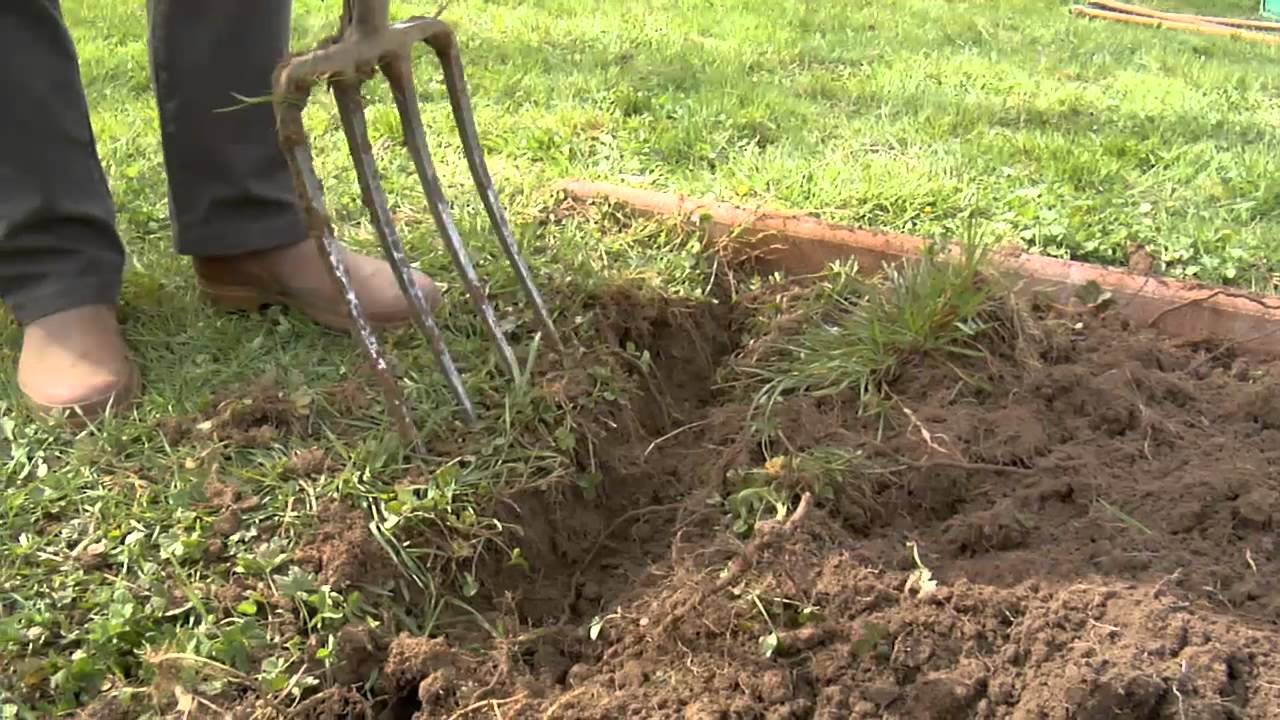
(1070, 137)
(860, 332)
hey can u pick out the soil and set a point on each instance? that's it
(342, 551)
(1097, 520)
(1083, 527)
(253, 418)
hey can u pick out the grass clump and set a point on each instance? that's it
(861, 332)
(848, 338)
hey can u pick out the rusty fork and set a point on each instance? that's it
(368, 43)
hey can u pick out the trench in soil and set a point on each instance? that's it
(1095, 507)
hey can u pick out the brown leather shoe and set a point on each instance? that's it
(76, 361)
(297, 276)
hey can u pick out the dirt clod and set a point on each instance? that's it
(336, 703)
(342, 550)
(257, 417)
(357, 653)
(412, 660)
(307, 463)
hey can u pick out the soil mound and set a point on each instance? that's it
(1084, 531)
(1079, 525)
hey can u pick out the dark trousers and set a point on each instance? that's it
(229, 187)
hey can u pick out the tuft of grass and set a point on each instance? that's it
(850, 337)
(863, 331)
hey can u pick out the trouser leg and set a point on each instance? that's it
(230, 190)
(59, 248)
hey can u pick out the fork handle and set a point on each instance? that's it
(366, 17)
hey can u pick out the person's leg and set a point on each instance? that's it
(58, 243)
(60, 255)
(230, 191)
(232, 200)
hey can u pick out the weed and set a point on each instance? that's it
(771, 491)
(769, 641)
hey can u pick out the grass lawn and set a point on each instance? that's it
(1075, 138)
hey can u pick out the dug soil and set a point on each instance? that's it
(1081, 524)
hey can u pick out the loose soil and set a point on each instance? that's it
(1093, 508)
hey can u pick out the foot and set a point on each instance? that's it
(297, 276)
(77, 361)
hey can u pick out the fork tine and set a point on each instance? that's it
(298, 154)
(346, 93)
(446, 49)
(399, 76)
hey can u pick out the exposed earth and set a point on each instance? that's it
(1081, 524)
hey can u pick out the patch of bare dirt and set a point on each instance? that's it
(1093, 514)
(230, 502)
(634, 474)
(258, 417)
(342, 550)
(334, 703)
(308, 463)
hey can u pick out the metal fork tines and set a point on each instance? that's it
(368, 43)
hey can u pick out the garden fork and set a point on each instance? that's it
(367, 43)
